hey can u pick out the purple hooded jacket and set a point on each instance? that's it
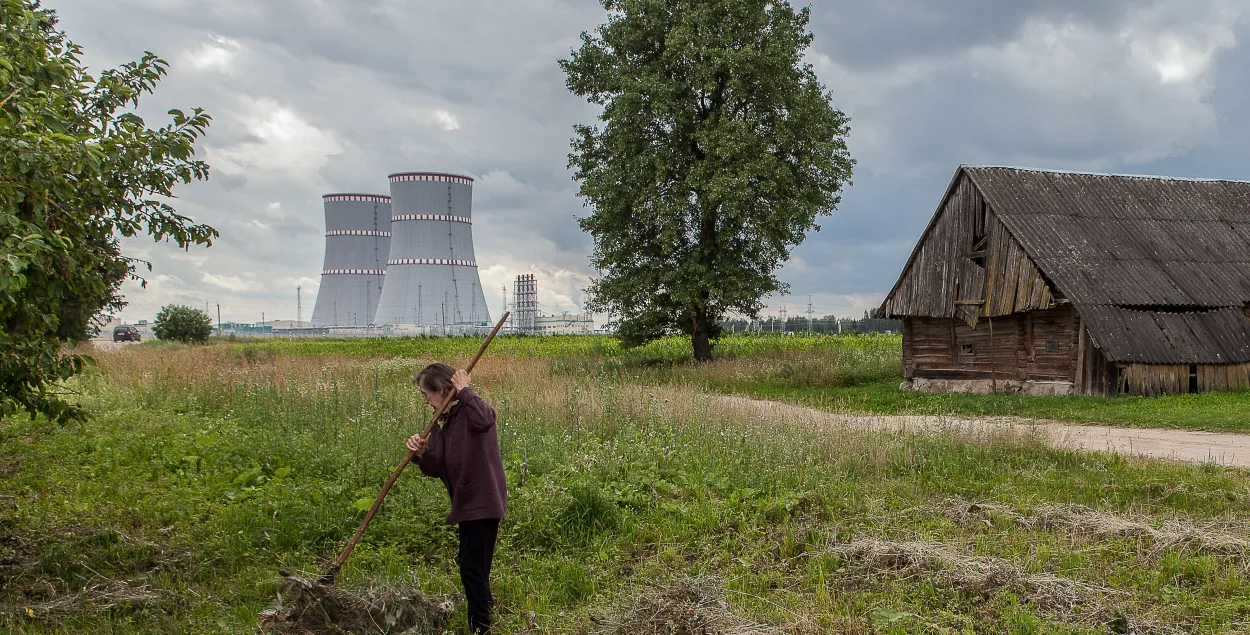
(464, 454)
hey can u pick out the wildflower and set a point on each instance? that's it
(30, 612)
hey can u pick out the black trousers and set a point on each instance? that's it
(477, 549)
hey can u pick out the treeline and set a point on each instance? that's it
(826, 324)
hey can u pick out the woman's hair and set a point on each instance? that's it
(436, 378)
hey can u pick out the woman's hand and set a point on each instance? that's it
(416, 444)
(460, 380)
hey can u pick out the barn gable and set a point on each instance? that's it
(967, 265)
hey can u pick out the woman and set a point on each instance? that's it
(463, 451)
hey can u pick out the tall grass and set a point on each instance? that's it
(205, 469)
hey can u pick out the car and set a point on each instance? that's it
(126, 333)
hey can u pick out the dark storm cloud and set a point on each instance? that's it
(878, 34)
(331, 95)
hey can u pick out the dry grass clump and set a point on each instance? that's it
(1079, 519)
(308, 608)
(977, 575)
(114, 594)
(692, 606)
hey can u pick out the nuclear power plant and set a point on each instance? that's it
(431, 273)
(404, 260)
(358, 243)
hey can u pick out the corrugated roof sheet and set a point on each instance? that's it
(1220, 336)
(1117, 244)
(1109, 239)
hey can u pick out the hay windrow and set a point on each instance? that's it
(981, 576)
(308, 608)
(113, 595)
(692, 606)
(1079, 519)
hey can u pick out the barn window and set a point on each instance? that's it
(1052, 346)
(965, 349)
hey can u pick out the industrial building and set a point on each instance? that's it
(431, 271)
(1075, 283)
(358, 243)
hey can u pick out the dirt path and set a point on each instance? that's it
(1181, 445)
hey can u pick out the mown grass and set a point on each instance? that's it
(206, 469)
(845, 373)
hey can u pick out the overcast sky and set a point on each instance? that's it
(317, 96)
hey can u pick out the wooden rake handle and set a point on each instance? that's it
(351, 544)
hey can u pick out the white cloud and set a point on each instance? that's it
(230, 283)
(284, 143)
(217, 55)
(446, 121)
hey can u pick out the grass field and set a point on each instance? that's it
(206, 469)
(851, 373)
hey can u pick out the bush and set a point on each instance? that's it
(183, 324)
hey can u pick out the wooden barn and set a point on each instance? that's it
(1073, 283)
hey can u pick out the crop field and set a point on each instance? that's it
(204, 470)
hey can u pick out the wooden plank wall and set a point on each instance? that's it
(1150, 380)
(1223, 377)
(1156, 379)
(1095, 375)
(1013, 283)
(942, 281)
(927, 285)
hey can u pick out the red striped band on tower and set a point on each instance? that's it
(353, 272)
(357, 232)
(378, 198)
(432, 176)
(431, 261)
(446, 217)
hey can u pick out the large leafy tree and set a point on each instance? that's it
(718, 150)
(78, 169)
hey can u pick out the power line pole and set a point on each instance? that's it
(783, 318)
(218, 318)
(809, 315)
(299, 305)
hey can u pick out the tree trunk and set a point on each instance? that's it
(699, 337)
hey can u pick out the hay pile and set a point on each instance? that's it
(693, 606)
(308, 608)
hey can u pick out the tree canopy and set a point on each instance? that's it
(184, 324)
(718, 150)
(78, 169)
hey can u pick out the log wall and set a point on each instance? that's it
(1039, 346)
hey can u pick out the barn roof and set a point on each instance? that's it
(1141, 241)
(1158, 267)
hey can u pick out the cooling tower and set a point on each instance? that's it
(358, 239)
(431, 274)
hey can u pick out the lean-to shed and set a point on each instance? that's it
(1076, 283)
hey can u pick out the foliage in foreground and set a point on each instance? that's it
(207, 469)
(76, 170)
(180, 323)
(719, 150)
